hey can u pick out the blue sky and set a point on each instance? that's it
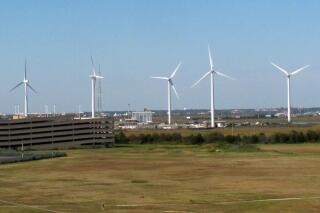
(133, 40)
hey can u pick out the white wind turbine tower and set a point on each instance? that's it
(94, 78)
(26, 84)
(289, 84)
(99, 102)
(170, 85)
(211, 72)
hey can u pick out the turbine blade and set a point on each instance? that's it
(203, 77)
(162, 78)
(93, 67)
(175, 71)
(99, 72)
(279, 68)
(300, 69)
(210, 58)
(31, 88)
(16, 86)
(25, 70)
(92, 61)
(175, 91)
(224, 75)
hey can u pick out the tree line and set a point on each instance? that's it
(291, 137)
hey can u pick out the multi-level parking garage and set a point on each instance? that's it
(36, 133)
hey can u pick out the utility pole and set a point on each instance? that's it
(46, 109)
(79, 110)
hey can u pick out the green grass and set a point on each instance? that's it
(159, 178)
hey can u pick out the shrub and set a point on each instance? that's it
(279, 138)
(233, 139)
(214, 137)
(262, 138)
(293, 137)
(240, 147)
(301, 138)
(29, 156)
(133, 139)
(145, 138)
(312, 136)
(121, 138)
(195, 139)
(176, 137)
(254, 139)
(156, 137)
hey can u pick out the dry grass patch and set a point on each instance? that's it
(161, 178)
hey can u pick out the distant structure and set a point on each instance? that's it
(289, 84)
(94, 78)
(39, 133)
(26, 84)
(54, 110)
(142, 117)
(170, 85)
(211, 72)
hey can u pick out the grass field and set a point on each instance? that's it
(164, 178)
(227, 131)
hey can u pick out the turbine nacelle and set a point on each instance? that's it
(96, 77)
(170, 81)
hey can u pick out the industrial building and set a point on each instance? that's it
(38, 133)
(142, 117)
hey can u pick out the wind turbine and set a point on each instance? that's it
(211, 72)
(289, 84)
(94, 78)
(26, 84)
(170, 85)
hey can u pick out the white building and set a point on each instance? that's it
(142, 117)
